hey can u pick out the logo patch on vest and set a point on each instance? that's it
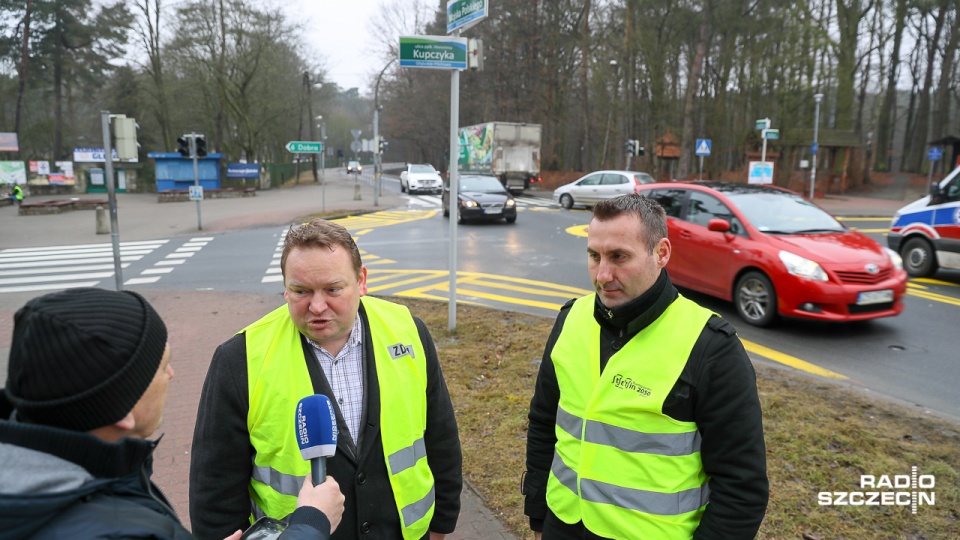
(400, 350)
(628, 384)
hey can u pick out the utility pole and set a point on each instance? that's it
(111, 198)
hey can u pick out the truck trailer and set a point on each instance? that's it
(508, 150)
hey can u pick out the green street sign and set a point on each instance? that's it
(433, 52)
(305, 147)
(462, 14)
(771, 133)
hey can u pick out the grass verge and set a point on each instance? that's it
(820, 436)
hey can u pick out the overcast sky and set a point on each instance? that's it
(340, 31)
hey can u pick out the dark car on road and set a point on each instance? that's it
(481, 197)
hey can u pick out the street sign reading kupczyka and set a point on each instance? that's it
(305, 147)
(433, 52)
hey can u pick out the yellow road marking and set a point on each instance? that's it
(933, 296)
(791, 361)
(934, 282)
(863, 219)
(578, 230)
(365, 222)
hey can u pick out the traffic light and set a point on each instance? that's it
(125, 137)
(629, 147)
(637, 149)
(201, 143)
(383, 146)
(183, 145)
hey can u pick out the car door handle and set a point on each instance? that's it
(685, 234)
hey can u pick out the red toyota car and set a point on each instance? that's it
(773, 253)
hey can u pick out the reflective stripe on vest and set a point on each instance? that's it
(401, 360)
(621, 466)
(277, 384)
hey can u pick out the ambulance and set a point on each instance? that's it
(926, 232)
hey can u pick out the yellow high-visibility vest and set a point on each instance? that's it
(277, 380)
(621, 466)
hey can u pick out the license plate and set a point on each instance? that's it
(874, 297)
(493, 210)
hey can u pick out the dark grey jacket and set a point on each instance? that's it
(57, 483)
(221, 462)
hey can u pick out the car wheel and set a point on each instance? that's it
(566, 201)
(403, 187)
(512, 219)
(756, 299)
(446, 210)
(460, 219)
(919, 259)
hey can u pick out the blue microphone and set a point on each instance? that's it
(317, 433)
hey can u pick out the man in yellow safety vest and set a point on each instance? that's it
(645, 420)
(398, 459)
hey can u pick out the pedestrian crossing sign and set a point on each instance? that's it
(703, 147)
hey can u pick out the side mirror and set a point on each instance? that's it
(718, 225)
(936, 195)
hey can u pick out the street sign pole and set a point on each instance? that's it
(196, 174)
(454, 199)
(111, 199)
(763, 154)
(701, 168)
(934, 154)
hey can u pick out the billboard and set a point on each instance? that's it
(476, 148)
(13, 172)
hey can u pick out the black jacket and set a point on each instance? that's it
(57, 483)
(221, 462)
(717, 390)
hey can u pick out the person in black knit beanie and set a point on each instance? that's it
(87, 380)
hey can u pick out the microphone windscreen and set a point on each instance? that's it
(316, 427)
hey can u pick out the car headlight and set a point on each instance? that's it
(802, 267)
(511, 203)
(895, 258)
(469, 204)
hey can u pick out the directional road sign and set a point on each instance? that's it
(305, 147)
(703, 147)
(935, 153)
(814, 147)
(771, 134)
(763, 123)
(462, 14)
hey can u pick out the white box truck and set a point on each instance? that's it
(508, 150)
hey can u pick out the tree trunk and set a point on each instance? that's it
(693, 84)
(22, 75)
(921, 132)
(887, 114)
(584, 155)
(58, 83)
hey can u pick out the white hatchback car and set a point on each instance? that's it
(420, 177)
(599, 185)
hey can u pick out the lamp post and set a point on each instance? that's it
(815, 148)
(313, 137)
(323, 139)
(377, 157)
(616, 90)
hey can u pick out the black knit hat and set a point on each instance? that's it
(81, 358)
